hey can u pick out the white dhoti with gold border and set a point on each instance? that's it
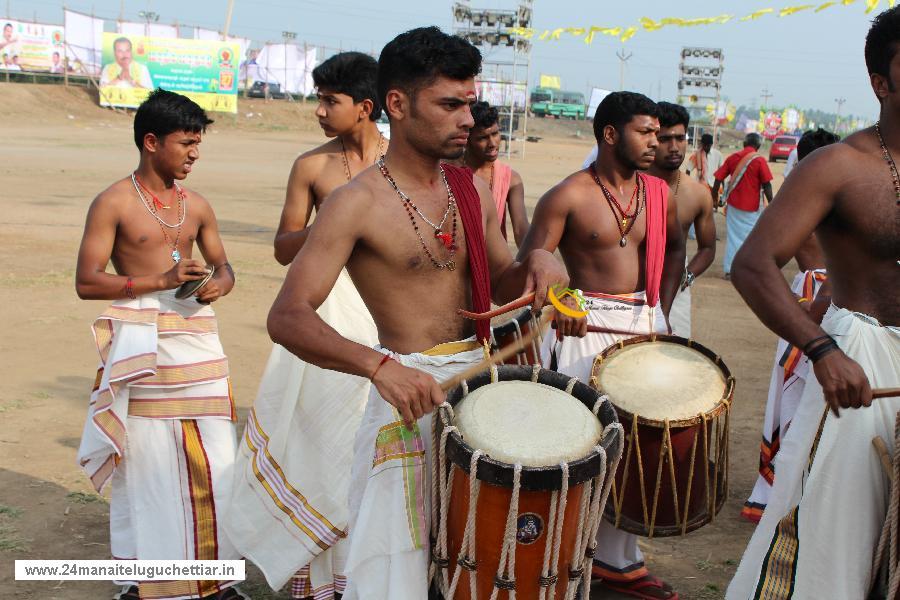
(818, 534)
(390, 493)
(160, 427)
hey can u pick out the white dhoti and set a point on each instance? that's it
(680, 314)
(618, 557)
(390, 493)
(789, 374)
(289, 509)
(818, 534)
(161, 427)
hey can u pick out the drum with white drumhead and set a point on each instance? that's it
(673, 397)
(538, 444)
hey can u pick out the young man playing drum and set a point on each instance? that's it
(420, 241)
(301, 445)
(161, 420)
(821, 527)
(620, 239)
(694, 204)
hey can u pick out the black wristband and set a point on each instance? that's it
(807, 348)
(821, 350)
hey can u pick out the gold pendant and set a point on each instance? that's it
(451, 265)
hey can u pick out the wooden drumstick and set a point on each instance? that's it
(885, 392)
(884, 455)
(519, 303)
(598, 329)
(502, 355)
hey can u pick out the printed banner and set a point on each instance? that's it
(31, 47)
(203, 70)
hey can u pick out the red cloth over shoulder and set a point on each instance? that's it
(655, 241)
(469, 203)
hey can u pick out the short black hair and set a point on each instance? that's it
(352, 73)
(813, 140)
(414, 59)
(484, 114)
(753, 140)
(671, 115)
(618, 108)
(164, 112)
(882, 42)
(122, 39)
(706, 138)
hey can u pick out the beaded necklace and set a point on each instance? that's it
(448, 239)
(624, 220)
(347, 163)
(151, 208)
(889, 160)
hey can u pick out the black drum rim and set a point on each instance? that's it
(533, 479)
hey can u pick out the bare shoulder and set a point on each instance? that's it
(314, 160)
(569, 192)
(515, 178)
(365, 191)
(836, 160)
(114, 198)
(197, 202)
(697, 194)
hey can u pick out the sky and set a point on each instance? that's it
(808, 60)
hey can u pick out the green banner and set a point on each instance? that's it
(204, 71)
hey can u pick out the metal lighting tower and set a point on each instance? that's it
(700, 78)
(507, 59)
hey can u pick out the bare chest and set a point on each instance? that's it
(167, 233)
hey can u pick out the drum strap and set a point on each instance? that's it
(469, 203)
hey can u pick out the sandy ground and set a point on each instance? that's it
(59, 150)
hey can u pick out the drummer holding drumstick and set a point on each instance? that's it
(622, 244)
(819, 531)
(419, 241)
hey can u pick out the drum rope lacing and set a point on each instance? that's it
(889, 533)
(593, 498)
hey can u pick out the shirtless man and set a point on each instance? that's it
(694, 204)
(626, 271)
(408, 244)
(313, 449)
(818, 534)
(482, 156)
(347, 113)
(178, 420)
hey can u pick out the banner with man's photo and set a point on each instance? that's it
(31, 47)
(203, 70)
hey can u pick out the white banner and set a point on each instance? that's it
(210, 35)
(130, 570)
(597, 96)
(84, 43)
(498, 93)
(287, 65)
(157, 30)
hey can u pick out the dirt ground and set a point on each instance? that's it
(59, 150)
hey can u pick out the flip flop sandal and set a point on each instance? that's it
(634, 589)
(128, 593)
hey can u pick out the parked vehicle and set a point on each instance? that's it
(782, 147)
(557, 103)
(263, 89)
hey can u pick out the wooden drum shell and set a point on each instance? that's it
(509, 332)
(661, 488)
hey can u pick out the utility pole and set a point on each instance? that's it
(227, 20)
(837, 117)
(623, 58)
(765, 95)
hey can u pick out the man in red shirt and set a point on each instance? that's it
(750, 181)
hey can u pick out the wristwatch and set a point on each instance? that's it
(687, 280)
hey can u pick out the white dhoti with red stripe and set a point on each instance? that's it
(160, 427)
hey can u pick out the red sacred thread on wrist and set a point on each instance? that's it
(386, 358)
(129, 288)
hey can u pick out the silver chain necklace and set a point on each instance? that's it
(405, 198)
(146, 204)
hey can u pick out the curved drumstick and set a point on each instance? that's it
(598, 329)
(520, 303)
(885, 392)
(514, 348)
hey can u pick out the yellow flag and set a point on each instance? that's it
(550, 81)
(871, 5)
(755, 15)
(628, 34)
(613, 31)
(544, 35)
(825, 5)
(650, 24)
(576, 31)
(554, 35)
(789, 10)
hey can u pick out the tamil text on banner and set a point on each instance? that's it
(203, 70)
(31, 47)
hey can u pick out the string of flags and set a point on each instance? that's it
(647, 24)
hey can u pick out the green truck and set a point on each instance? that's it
(557, 103)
